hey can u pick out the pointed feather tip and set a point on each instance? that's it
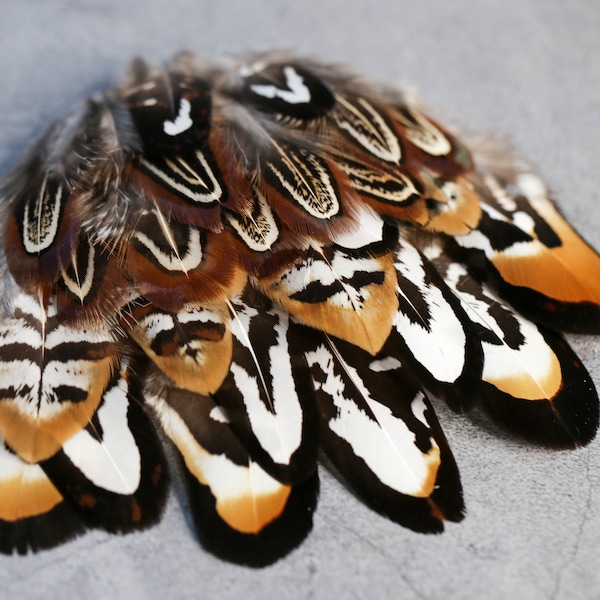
(422, 515)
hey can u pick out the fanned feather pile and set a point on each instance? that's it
(261, 262)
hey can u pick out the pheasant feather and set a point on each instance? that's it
(257, 261)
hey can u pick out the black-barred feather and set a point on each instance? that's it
(532, 255)
(380, 430)
(113, 471)
(267, 393)
(241, 512)
(192, 347)
(532, 383)
(431, 332)
(262, 260)
(54, 376)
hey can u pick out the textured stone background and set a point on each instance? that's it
(527, 69)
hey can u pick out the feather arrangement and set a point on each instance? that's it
(257, 263)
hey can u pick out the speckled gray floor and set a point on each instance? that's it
(527, 69)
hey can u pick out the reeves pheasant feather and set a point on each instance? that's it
(258, 262)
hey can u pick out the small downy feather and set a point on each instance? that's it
(261, 260)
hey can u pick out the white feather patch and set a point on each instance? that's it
(115, 462)
(368, 231)
(278, 430)
(297, 92)
(182, 121)
(532, 361)
(227, 480)
(172, 261)
(81, 288)
(386, 444)
(439, 344)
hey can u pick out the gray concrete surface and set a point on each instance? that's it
(527, 69)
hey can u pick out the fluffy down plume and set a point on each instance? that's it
(257, 263)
